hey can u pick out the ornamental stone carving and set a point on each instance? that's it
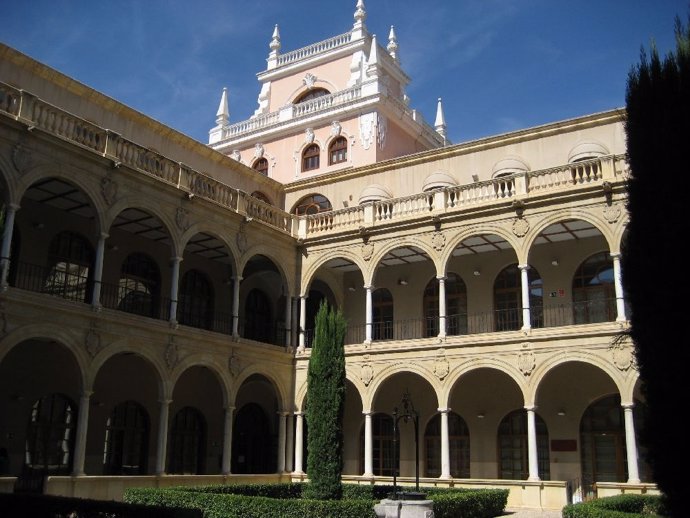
(438, 241)
(258, 150)
(22, 158)
(526, 362)
(92, 342)
(381, 131)
(520, 227)
(623, 356)
(366, 129)
(336, 128)
(309, 80)
(441, 365)
(235, 155)
(367, 251)
(233, 364)
(109, 190)
(172, 353)
(367, 374)
(241, 240)
(612, 213)
(309, 136)
(182, 218)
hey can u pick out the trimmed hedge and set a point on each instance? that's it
(284, 500)
(621, 506)
(50, 506)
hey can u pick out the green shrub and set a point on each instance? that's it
(620, 506)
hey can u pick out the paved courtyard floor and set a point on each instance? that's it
(530, 513)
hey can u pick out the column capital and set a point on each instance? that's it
(304, 297)
(299, 413)
(444, 410)
(230, 408)
(176, 259)
(531, 408)
(86, 394)
(165, 401)
(368, 287)
(282, 413)
(523, 266)
(615, 255)
(237, 278)
(103, 235)
(368, 412)
(628, 406)
(441, 278)
(14, 206)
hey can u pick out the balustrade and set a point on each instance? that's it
(316, 48)
(9, 99)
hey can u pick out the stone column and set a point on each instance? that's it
(227, 441)
(532, 454)
(281, 441)
(290, 453)
(445, 444)
(299, 439)
(98, 271)
(82, 429)
(368, 444)
(236, 305)
(631, 444)
(369, 317)
(10, 212)
(302, 322)
(524, 282)
(294, 332)
(618, 285)
(441, 307)
(288, 321)
(174, 287)
(162, 446)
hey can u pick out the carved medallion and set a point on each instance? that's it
(233, 364)
(92, 342)
(526, 362)
(367, 251)
(309, 80)
(172, 353)
(22, 158)
(612, 213)
(367, 374)
(520, 227)
(441, 366)
(258, 150)
(623, 357)
(438, 241)
(109, 190)
(182, 218)
(241, 240)
(336, 128)
(309, 136)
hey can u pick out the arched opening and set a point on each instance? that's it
(139, 286)
(319, 291)
(70, 260)
(508, 299)
(311, 157)
(456, 306)
(458, 441)
(262, 197)
(195, 307)
(382, 314)
(594, 294)
(257, 317)
(312, 204)
(187, 442)
(337, 151)
(126, 440)
(312, 93)
(261, 165)
(384, 454)
(50, 435)
(513, 449)
(263, 302)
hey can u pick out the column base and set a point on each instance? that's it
(533, 479)
(445, 477)
(634, 481)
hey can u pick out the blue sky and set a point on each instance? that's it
(499, 65)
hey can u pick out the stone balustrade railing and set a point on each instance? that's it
(327, 101)
(37, 114)
(249, 125)
(315, 48)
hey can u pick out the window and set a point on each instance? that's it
(594, 293)
(313, 93)
(139, 286)
(196, 301)
(383, 454)
(69, 258)
(187, 442)
(126, 440)
(257, 317)
(382, 317)
(337, 151)
(261, 196)
(50, 434)
(459, 440)
(512, 447)
(456, 306)
(508, 299)
(261, 165)
(312, 205)
(254, 447)
(310, 157)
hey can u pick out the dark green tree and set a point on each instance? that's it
(657, 128)
(326, 405)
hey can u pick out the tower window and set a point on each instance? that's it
(310, 158)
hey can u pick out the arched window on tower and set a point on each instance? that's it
(594, 293)
(311, 157)
(261, 165)
(312, 204)
(70, 258)
(337, 151)
(312, 93)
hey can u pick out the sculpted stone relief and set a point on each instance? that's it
(109, 190)
(22, 158)
(520, 227)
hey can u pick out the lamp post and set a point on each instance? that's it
(408, 412)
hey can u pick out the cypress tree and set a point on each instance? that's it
(326, 405)
(657, 129)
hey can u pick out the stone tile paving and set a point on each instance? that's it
(530, 513)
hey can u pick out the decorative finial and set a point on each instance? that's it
(275, 41)
(392, 47)
(373, 53)
(223, 113)
(440, 123)
(358, 29)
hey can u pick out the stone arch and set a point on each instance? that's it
(281, 391)
(630, 386)
(8, 182)
(56, 333)
(357, 382)
(467, 233)
(216, 231)
(391, 370)
(544, 367)
(139, 203)
(201, 360)
(270, 253)
(303, 89)
(503, 366)
(309, 274)
(406, 241)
